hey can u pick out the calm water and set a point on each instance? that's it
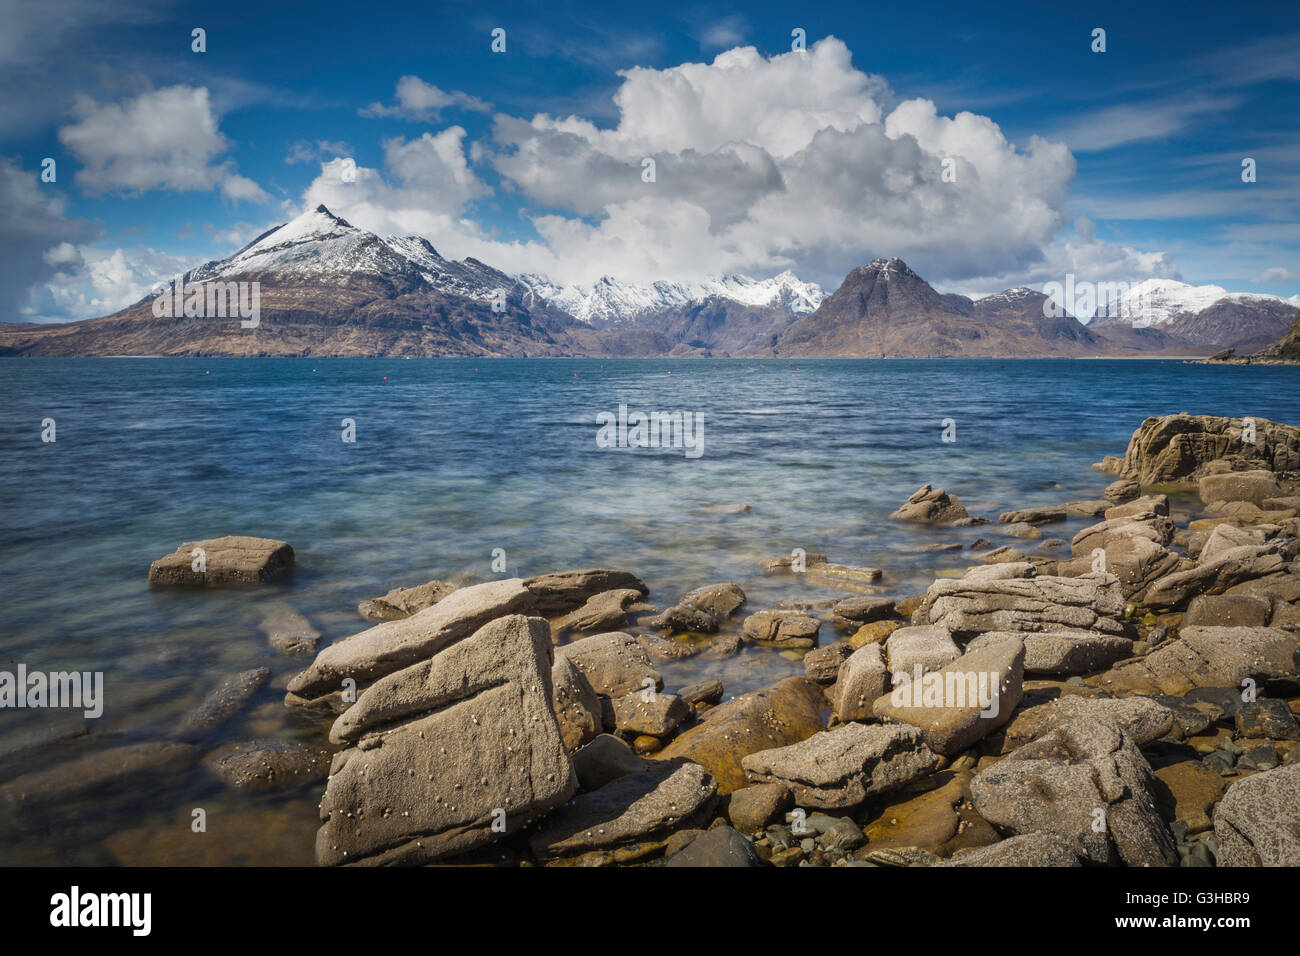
(456, 458)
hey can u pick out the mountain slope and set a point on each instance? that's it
(1207, 317)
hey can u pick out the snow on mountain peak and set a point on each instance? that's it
(1158, 301)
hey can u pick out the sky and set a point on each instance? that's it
(989, 146)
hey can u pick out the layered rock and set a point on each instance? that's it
(935, 506)
(565, 591)
(703, 610)
(1178, 448)
(401, 603)
(1216, 573)
(1141, 718)
(448, 754)
(1205, 657)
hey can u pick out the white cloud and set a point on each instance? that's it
(162, 139)
(423, 102)
(1276, 274)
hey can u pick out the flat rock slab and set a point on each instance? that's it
(646, 804)
(840, 768)
(646, 712)
(964, 701)
(449, 754)
(606, 611)
(1215, 574)
(223, 562)
(1085, 772)
(614, 664)
(1032, 516)
(787, 629)
(786, 713)
(919, 649)
(263, 765)
(1257, 823)
(1036, 849)
(565, 591)
(390, 646)
(1064, 652)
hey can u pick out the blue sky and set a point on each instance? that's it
(1114, 166)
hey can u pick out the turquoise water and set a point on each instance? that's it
(456, 458)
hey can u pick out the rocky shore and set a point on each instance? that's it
(1128, 697)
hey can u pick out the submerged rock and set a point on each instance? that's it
(220, 562)
(260, 765)
(150, 765)
(703, 610)
(227, 699)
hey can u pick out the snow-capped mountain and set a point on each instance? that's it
(322, 247)
(612, 302)
(1159, 301)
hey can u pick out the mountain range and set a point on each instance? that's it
(327, 287)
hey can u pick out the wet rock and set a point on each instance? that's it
(232, 560)
(263, 765)
(576, 704)
(401, 603)
(941, 820)
(100, 771)
(565, 591)
(646, 804)
(650, 713)
(786, 713)
(719, 847)
(1267, 718)
(789, 561)
(1258, 821)
(874, 633)
(935, 506)
(1187, 791)
(393, 645)
(707, 692)
(750, 809)
(961, 702)
(1022, 529)
(863, 609)
(604, 759)
(703, 610)
(1142, 719)
(823, 664)
(861, 679)
(614, 664)
(227, 699)
(840, 768)
(448, 752)
(606, 611)
(1032, 516)
(1084, 771)
(289, 632)
(782, 628)
(1040, 848)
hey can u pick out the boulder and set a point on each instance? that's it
(606, 611)
(719, 847)
(403, 602)
(840, 768)
(1121, 490)
(1179, 448)
(1205, 657)
(393, 645)
(263, 765)
(861, 679)
(823, 664)
(703, 610)
(448, 754)
(787, 629)
(289, 632)
(1257, 823)
(653, 714)
(786, 713)
(935, 506)
(1039, 848)
(223, 562)
(1141, 718)
(926, 648)
(1085, 772)
(614, 664)
(863, 609)
(1146, 504)
(1085, 509)
(1254, 486)
(604, 759)
(750, 809)
(1228, 610)
(646, 804)
(1064, 652)
(1214, 575)
(961, 702)
(576, 704)
(565, 591)
(1032, 516)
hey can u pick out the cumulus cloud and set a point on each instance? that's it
(162, 139)
(90, 282)
(798, 160)
(423, 102)
(1276, 274)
